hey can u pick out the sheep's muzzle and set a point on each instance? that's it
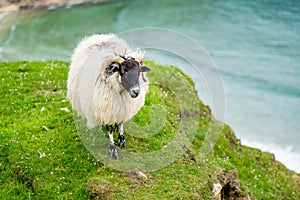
(134, 92)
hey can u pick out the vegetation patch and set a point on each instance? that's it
(43, 157)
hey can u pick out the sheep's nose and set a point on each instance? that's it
(134, 92)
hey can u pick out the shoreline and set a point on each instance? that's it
(19, 5)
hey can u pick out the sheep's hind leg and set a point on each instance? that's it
(112, 147)
(121, 137)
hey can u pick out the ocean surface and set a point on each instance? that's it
(254, 44)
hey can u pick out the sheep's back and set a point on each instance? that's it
(92, 49)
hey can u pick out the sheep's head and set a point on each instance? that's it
(130, 71)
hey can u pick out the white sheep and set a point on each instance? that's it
(107, 84)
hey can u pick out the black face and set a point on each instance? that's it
(130, 72)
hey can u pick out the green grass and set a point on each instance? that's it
(42, 156)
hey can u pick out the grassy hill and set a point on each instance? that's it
(43, 157)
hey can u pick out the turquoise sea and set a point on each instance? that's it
(255, 45)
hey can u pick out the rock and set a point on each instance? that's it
(141, 174)
(45, 128)
(217, 191)
(137, 178)
(65, 109)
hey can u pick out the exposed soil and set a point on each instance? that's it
(231, 187)
(100, 189)
(25, 179)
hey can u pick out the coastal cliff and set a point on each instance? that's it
(43, 157)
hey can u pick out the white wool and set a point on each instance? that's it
(102, 102)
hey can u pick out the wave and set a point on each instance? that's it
(283, 154)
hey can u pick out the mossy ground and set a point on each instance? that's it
(42, 156)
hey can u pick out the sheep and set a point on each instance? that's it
(107, 84)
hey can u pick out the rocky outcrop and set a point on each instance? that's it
(228, 187)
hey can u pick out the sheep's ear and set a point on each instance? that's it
(145, 69)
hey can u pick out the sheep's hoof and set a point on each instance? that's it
(122, 141)
(113, 152)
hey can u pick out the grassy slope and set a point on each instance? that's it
(42, 156)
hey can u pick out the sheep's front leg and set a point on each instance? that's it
(121, 137)
(112, 147)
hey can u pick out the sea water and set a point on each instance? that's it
(255, 45)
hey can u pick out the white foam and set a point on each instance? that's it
(2, 15)
(283, 154)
